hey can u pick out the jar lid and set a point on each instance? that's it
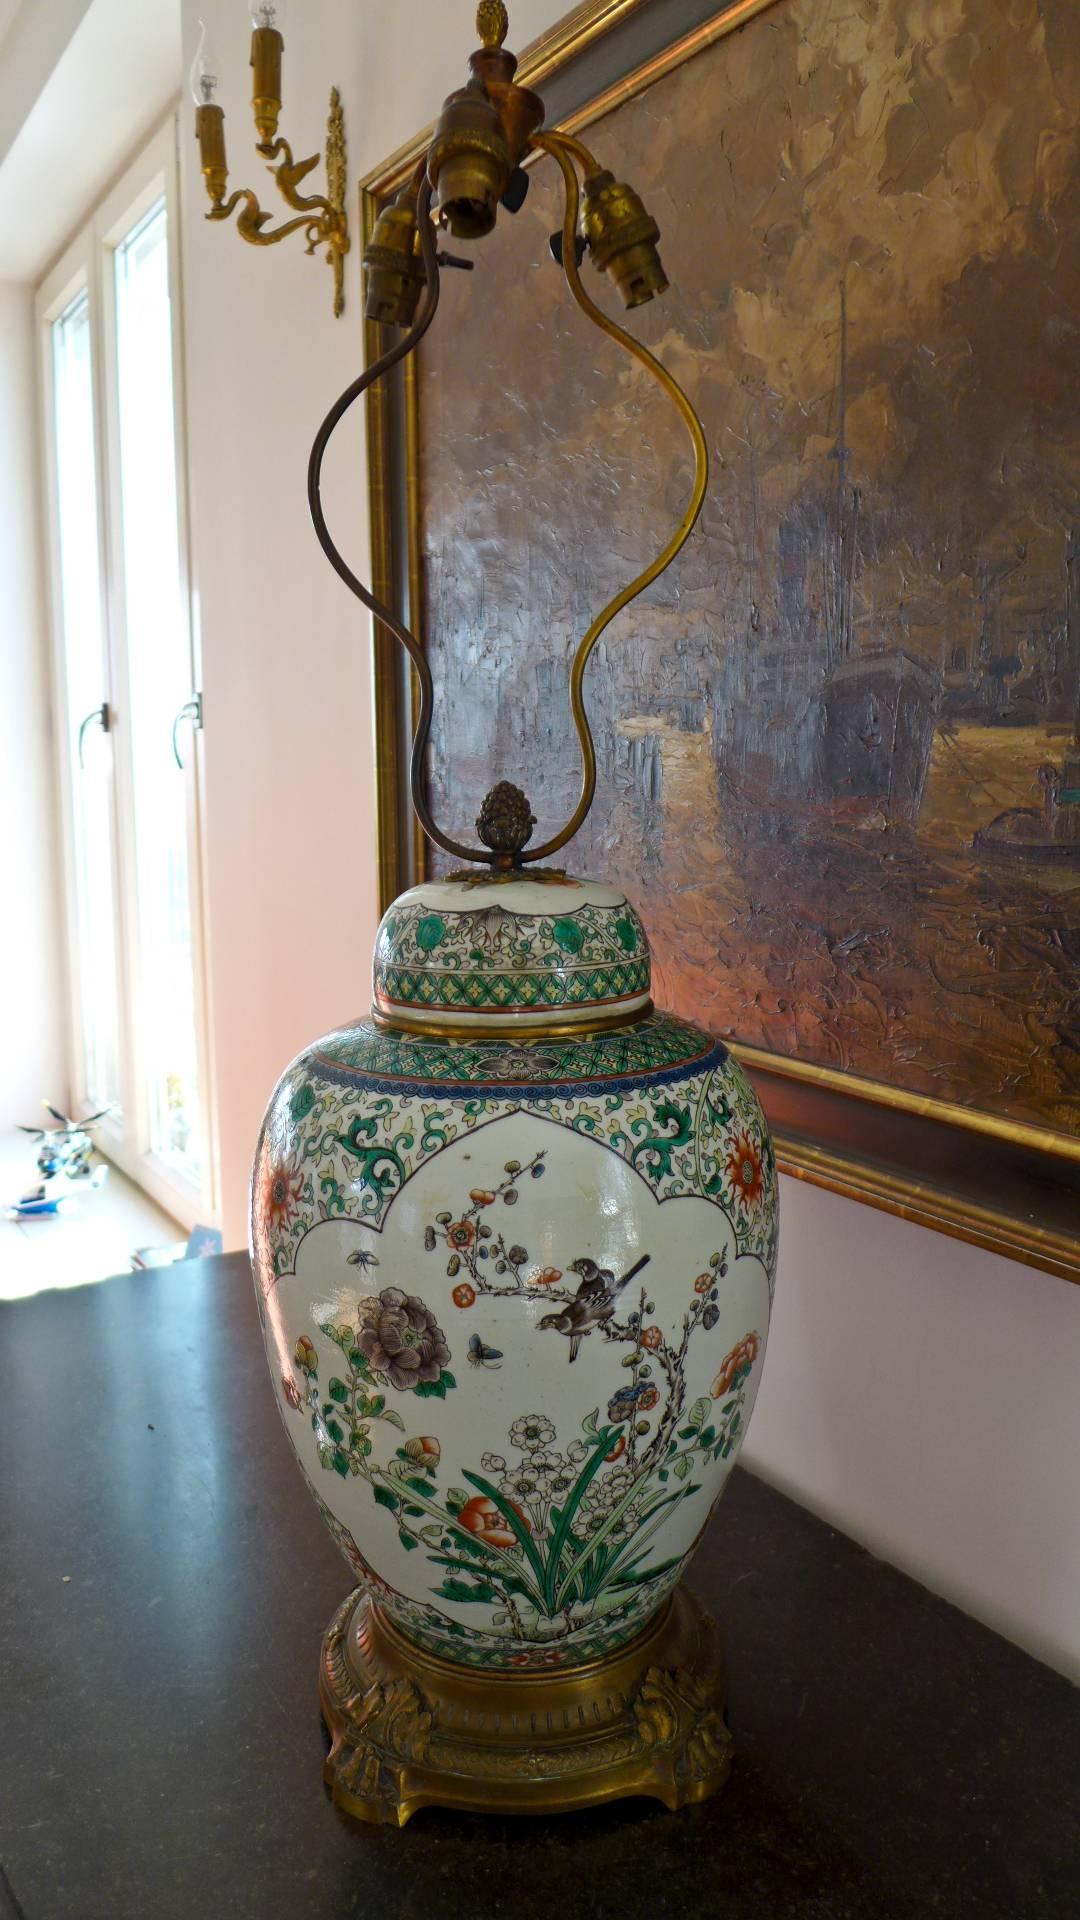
(522, 952)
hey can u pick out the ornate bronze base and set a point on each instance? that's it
(411, 1731)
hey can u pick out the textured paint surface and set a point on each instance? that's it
(871, 223)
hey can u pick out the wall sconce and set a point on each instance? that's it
(322, 217)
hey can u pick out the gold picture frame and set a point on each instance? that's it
(997, 1183)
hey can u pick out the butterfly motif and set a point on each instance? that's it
(480, 1355)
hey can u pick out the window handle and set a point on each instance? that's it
(97, 717)
(191, 710)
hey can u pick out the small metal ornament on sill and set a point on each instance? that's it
(320, 217)
(514, 1236)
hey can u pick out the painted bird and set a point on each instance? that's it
(594, 1301)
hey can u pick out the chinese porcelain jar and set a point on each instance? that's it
(514, 1240)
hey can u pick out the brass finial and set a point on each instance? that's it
(505, 820)
(492, 23)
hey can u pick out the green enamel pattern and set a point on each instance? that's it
(659, 1044)
(489, 958)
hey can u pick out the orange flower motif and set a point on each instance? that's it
(481, 1196)
(291, 1391)
(737, 1365)
(703, 1282)
(464, 1295)
(652, 1338)
(461, 1235)
(545, 1277)
(482, 1517)
(744, 1170)
(647, 1399)
(618, 1449)
(282, 1185)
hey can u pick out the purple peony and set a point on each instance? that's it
(398, 1335)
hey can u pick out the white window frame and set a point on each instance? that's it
(89, 262)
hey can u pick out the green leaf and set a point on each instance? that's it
(430, 1390)
(337, 1390)
(708, 1436)
(394, 1418)
(384, 1498)
(573, 1502)
(448, 1379)
(340, 1462)
(630, 1576)
(456, 1499)
(699, 1413)
(414, 1513)
(419, 1486)
(588, 1425)
(335, 1431)
(462, 1591)
(378, 1402)
(406, 1539)
(681, 1467)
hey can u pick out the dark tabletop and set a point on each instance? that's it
(166, 1581)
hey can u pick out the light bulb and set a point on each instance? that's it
(204, 79)
(267, 13)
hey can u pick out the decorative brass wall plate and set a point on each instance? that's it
(411, 1731)
(1000, 1177)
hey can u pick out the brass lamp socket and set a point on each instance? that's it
(622, 238)
(210, 133)
(267, 46)
(469, 163)
(394, 275)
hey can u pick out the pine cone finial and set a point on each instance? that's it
(506, 819)
(492, 23)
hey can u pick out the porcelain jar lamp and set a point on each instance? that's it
(514, 1235)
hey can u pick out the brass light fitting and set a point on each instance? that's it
(321, 217)
(472, 168)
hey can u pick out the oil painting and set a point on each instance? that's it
(839, 743)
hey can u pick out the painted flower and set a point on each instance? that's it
(623, 1405)
(544, 1463)
(464, 1295)
(398, 1334)
(429, 932)
(481, 1196)
(577, 1451)
(608, 1491)
(703, 1282)
(282, 1185)
(291, 1391)
(736, 1367)
(710, 1317)
(648, 1398)
(425, 1450)
(461, 1235)
(618, 1449)
(493, 1463)
(545, 1277)
(521, 1483)
(517, 1255)
(744, 1170)
(305, 1355)
(482, 1517)
(302, 1101)
(651, 1338)
(531, 1431)
(568, 935)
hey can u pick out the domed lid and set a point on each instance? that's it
(520, 952)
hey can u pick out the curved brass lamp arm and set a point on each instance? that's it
(560, 149)
(382, 613)
(251, 220)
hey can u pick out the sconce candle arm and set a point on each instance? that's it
(561, 148)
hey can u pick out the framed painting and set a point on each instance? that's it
(839, 742)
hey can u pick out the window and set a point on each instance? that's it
(127, 703)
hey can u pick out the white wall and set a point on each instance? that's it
(918, 1392)
(31, 1021)
(923, 1396)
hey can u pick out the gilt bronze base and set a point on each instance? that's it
(410, 1731)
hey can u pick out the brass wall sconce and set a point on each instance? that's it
(322, 217)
